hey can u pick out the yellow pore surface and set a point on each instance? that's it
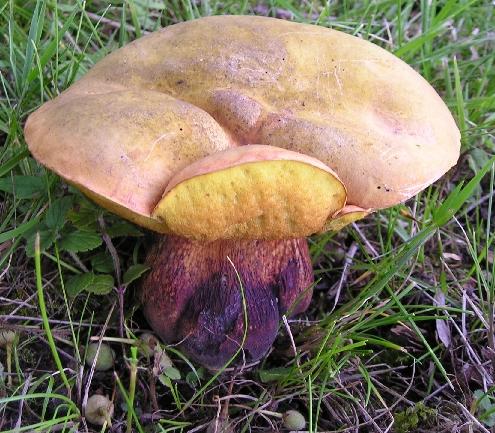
(340, 221)
(258, 200)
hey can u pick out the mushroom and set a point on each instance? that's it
(99, 410)
(294, 420)
(7, 340)
(101, 355)
(236, 137)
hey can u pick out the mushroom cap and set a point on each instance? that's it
(146, 112)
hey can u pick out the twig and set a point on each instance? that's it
(368, 245)
(472, 418)
(6, 270)
(362, 409)
(292, 342)
(92, 371)
(400, 397)
(20, 304)
(437, 391)
(111, 249)
(21, 402)
(116, 266)
(345, 272)
(52, 321)
(78, 261)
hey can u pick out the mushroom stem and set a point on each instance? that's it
(192, 294)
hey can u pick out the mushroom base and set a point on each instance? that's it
(192, 294)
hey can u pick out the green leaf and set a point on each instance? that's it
(123, 228)
(56, 216)
(478, 158)
(165, 380)
(134, 272)
(80, 241)
(486, 407)
(172, 373)
(47, 237)
(102, 262)
(274, 374)
(482, 399)
(23, 186)
(78, 283)
(193, 378)
(101, 284)
(89, 282)
(83, 219)
(84, 215)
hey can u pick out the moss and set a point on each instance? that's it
(413, 417)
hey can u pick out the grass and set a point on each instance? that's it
(400, 333)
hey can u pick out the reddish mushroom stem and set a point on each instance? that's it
(192, 294)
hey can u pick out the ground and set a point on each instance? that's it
(400, 333)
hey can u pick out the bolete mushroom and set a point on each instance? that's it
(237, 137)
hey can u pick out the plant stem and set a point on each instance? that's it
(132, 387)
(44, 315)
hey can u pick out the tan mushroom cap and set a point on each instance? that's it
(147, 111)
